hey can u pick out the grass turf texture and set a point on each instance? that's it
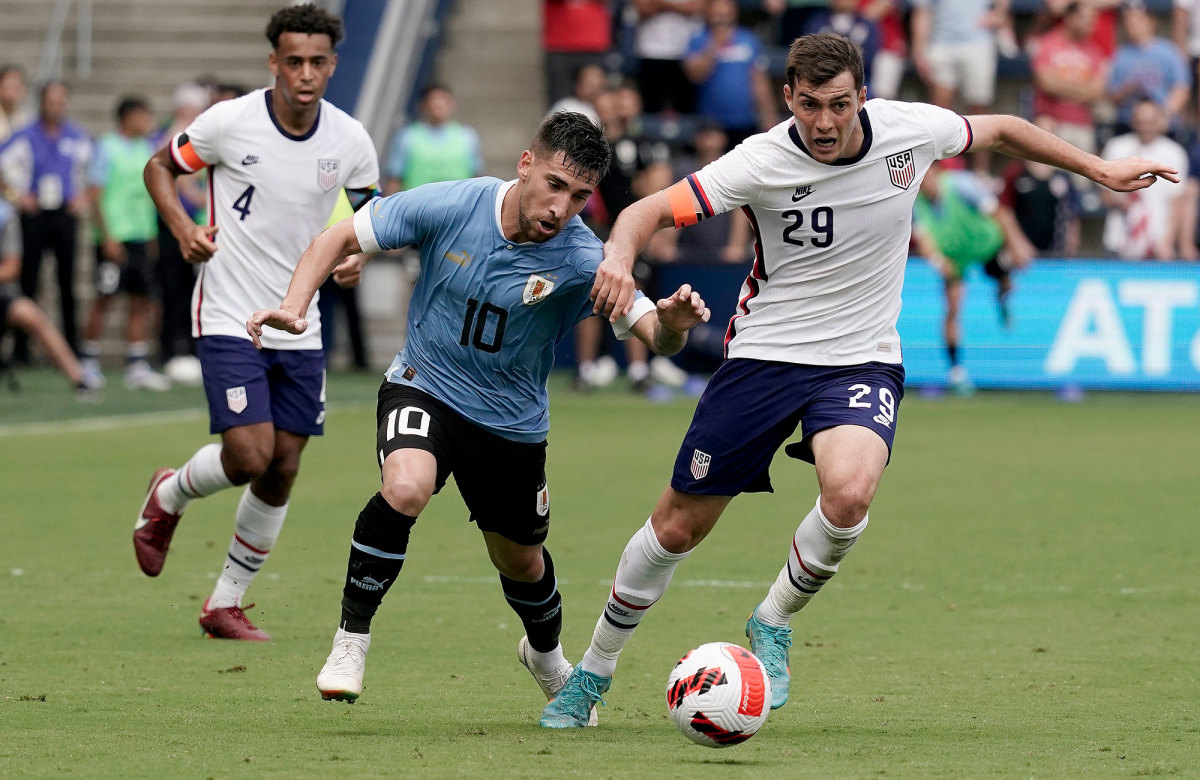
(1023, 604)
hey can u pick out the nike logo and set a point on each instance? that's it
(802, 193)
(250, 159)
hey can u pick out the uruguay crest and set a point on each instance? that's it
(537, 288)
(327, 174)
(700, 462)
(235, 398)
(901, 169)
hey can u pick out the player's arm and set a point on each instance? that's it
(1018, 138)
(348, 273)
(195, 241)
(613, 291)
(325, 252)
(665, 329)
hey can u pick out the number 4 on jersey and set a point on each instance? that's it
(242, 204)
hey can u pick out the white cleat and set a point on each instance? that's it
(140, 376)
(550, 682)
(342, 676)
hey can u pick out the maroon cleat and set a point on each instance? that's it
(230, 623)
(154, 529)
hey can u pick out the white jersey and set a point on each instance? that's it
(270, 193)
(831, 240)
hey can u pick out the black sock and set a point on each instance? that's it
(377, 553)
(539, 605)
(952, 353)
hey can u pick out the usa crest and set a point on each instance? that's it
(235, 398)
(327, 174)
(901, 169)
(700, 462)
(537, 288)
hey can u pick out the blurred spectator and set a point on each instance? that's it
(954, 46)
(575, 33)
(1070, 73)
(793, 16)
(1104, 31)
(640, 166)
(660, 42)
(1044, 202)
(435, 147)
(842, 18)
(887, 70)
(223, 92)
(21, 313)
(590, 83)
(14, 113)
(1185, 29)
(728, 67)
(1147, 66)
(1190, 245)
(44, 166)
(125, 226)
(1147, 223)
(724, 238)
(177, 277)
(958, 223)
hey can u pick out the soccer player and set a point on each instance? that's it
(813, 340)
(506, 269)
(277, 160)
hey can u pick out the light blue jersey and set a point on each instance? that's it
(486, 312)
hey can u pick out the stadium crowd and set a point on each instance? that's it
(675, 83)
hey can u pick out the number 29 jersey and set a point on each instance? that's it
(831, 240)
(270, 192)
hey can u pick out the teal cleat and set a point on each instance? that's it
(770, 644)
(573, 706)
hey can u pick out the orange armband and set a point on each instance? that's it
(683, 204)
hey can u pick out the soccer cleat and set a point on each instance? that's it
(575, 704)
(770, 644)
(550, 682)
(154, 529)
(230, 623)
(341, 677)
(140, 376)
(960, 382)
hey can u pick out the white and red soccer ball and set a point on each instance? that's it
(719, 695)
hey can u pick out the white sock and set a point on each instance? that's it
(817, 549)
(642, 578)
(258, 526)
(548, 661)
(201, 476)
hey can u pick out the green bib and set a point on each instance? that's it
(128, 210)
(962, 234)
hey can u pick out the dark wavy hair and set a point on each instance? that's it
(307, 19)
(819, 58)
(578, 138)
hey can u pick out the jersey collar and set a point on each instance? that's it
(863, 119)
(501, 191)
(275, 121)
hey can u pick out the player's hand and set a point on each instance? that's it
(113, 251)
(280, 319)
(682, 311)
(348, 273)
(1134, 173)
(197, 244)
(613, 291)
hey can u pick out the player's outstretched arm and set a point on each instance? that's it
(1017, 138)
(666, 332)
(325, 252)
(613, 291)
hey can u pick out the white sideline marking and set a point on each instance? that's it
(109, 423)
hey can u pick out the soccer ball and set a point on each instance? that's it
(719, 695)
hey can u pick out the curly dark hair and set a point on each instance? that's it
(307, 19)
(819, 58)
(578, 138)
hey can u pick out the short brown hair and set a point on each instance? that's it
(821, 57)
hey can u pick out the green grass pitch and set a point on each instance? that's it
(1025, 603)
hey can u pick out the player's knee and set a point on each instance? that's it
(846, 504)
(676, 534)
(524, 566)
(407, 495)
(245, 463)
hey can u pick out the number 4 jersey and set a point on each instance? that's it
(486, 312)
(270, 192)
(831, 241)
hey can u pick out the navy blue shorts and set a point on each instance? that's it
(245, 385)
(751, 407)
